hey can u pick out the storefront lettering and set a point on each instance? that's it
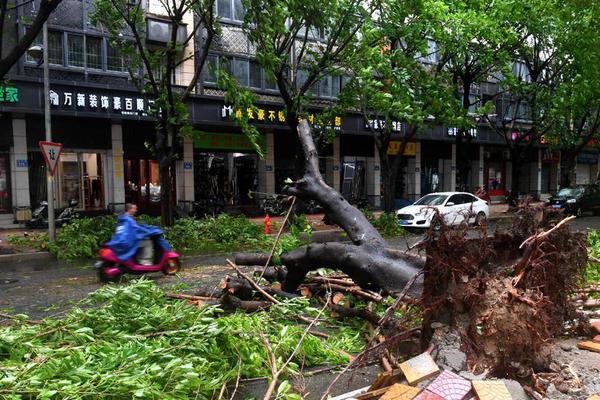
(99, 102)
(379, 124)
(471, 131)
(410, 150)
(9, 94)
(274, 116)
(225, 141)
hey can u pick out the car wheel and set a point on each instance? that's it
(480, 219)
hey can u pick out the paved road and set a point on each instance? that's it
(48, 289)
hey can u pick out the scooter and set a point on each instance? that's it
(110, 268)
(39, 216)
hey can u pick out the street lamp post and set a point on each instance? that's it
(35, 52)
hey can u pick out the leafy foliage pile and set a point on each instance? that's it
(387, 224)
(128, 340)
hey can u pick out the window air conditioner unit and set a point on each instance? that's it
(159, 31)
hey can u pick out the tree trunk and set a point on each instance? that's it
(513, 197)
(166, 199)
(570, 177)
(367, 260)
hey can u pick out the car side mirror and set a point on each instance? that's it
(448, 204)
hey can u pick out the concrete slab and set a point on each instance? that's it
(491, 390)
(400, 391)
(419, 368)
(450, 386)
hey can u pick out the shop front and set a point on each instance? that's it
(226, 170)
(495, 171)
(357, 154)
(550, 171)
(81, 170)
(436, 166)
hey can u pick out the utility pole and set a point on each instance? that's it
(48, 125)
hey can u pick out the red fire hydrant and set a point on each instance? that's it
(267, 224)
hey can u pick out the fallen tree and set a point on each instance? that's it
(367, 260)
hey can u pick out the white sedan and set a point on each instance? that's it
(455, 207)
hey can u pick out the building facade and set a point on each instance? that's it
(102, 121)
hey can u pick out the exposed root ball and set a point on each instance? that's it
(503, 300)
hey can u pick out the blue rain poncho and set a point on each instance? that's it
(128, 234)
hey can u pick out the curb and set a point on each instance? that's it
(41, 256)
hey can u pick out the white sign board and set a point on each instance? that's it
(51, 152)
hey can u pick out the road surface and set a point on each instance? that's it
(47, 289)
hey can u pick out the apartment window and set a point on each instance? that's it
(75, 55)
(93, 52)
(270, 83)
(255, 75)
(210, 69)
(238, 9)
(240, 71)
(336, 83)
(231, 10)
(114, 59)
(521, 71)
(325, 86)
(55, 48)
(473, 101)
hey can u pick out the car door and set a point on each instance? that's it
(594, 199)
(453, 210)
(471, 206)
(586, 202)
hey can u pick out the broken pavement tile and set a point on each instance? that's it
(595, 325)
(594, 397)
(450, 386)
(419, 368)
(491, 390)
(427, 395)
(589, 345)
(399, 391)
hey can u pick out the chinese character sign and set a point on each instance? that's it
(91, 102)
(9, 94)
(274, 116)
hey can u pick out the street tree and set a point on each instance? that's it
(475, 41)
(393, 84)
(549, 95)
(574, 114)
(301, 43)
(11, 50)
(153, 68)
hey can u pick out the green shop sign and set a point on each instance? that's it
(225, 141)
(9, 95)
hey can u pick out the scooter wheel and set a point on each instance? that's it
(103, 277)
(172, 266)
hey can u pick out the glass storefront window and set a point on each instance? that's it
(79, 176)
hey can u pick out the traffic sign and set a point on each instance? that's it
(51, 152)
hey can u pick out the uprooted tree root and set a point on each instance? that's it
(505, 295)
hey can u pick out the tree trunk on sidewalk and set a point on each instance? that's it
(569, 177)
(368, 261)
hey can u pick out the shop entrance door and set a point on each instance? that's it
(495, 179)
(142, 185)
(80, 178)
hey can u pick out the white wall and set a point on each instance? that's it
(19, 175)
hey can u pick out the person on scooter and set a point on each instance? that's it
(131, 239)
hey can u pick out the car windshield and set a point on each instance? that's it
(431, 200)
(570, 192)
